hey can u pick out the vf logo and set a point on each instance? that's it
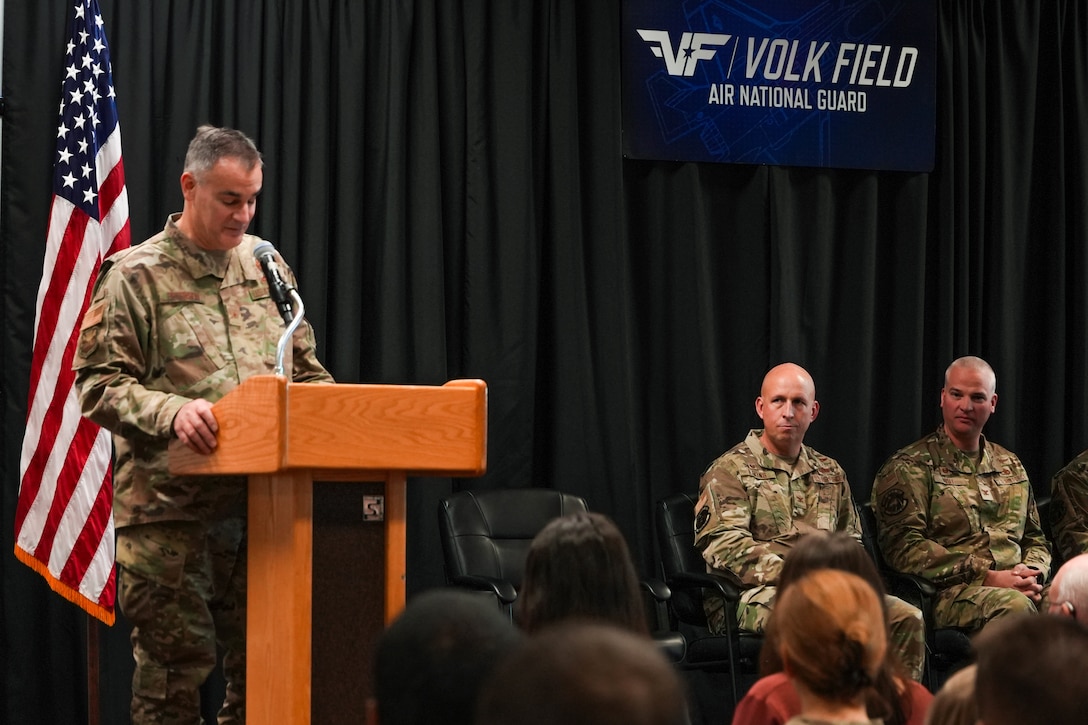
(690, 51)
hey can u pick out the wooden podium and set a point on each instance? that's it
(284, 436)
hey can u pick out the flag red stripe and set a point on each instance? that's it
(54, 296)
(120, 241)
(106, 598)
(86, 544)
(112, 187)
(76, 457)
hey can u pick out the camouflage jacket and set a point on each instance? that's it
(752, 509)
(1069, 507)
(169, 323)
(944, 517)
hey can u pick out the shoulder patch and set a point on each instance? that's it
(88, 342)
(702, 518)
(893, 502)
(89, 328)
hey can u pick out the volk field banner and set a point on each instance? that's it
(832, 83)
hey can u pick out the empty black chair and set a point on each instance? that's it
(947, 648)
(685, 573)
(486, 535)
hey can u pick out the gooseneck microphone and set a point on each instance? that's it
(277, 285)
(283, 294)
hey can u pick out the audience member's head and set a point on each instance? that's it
(954, 703)
(579, 566)
(1068, 595)
(582, 672)
(432, 660)
(1031, 670)
(838, 550)
(831, 637)
(820, 550)
(829, 550)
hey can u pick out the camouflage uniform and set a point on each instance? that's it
(1069, 508)
(949, 519)
(169, 323)
(752, 510)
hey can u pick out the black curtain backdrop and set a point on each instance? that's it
(446, 178)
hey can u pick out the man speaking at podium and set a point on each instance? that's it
(174, 325)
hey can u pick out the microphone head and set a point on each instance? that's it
(263, 248)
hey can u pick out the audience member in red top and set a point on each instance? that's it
(895, 697)
(831, 634)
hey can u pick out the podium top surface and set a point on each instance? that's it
(269, 425)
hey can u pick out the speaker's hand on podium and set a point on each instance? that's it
(195, 426)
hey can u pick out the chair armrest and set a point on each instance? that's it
(657, 589)
(672, 644)
(914, 589)
(722, 586)
(657, 609)
(504, 590)
(913, 586)
(689, 589)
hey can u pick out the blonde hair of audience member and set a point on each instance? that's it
(579, 566)
(889, 698)
(832, 640)
(584, 673)
(955, 701)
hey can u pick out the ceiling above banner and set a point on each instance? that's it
(847, 84)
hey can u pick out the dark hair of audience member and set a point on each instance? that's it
(832, 635)
(582, 672)
(1031, 669)
(579, 566)
(838, 550)
(432, 660)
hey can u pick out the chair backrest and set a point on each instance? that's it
(488, 533)
(867, 520)
(1046, 511)
(676, 547)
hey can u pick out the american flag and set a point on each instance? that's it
(64, 516)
